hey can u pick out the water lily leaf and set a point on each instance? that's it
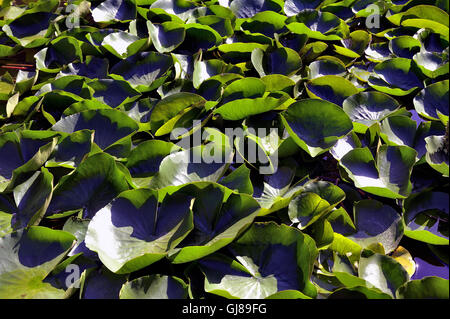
(341, 222)
(101, 284)
(247, 9)
(249, 88)
(368, 108)
(95, 182)
(204, 70)
(238, 180)
(32, 199)
(135, 219)
(398, 130)
(72, 149)
(242, 108)
(432, 64)
(429, 287)
(383, 272)
(310, 129)
(7, 46)
(376, 223)
(396, 77)
(190, 166)
(278, 82)
(266, 22)
(332, 88)
(30, 29)
(166, 36)
(123, 44)
(281, 60)
(357, 43)
(5, 223)
(154, 287)
(28, 256)
(426, 12)
(223, 25)
(375, 176)
(218, 219)
(278, 191)
(144, 160)
(145, 71)
(113, 92)
(258, 273)
(73, 86)
(404, 46)
(425, 215)
(325, 67)
(293, 7)
(109, 125)
(437, 153)
(358, 292)
(316, 200)
(181, 8)
(92, 68)
(431, 100)
(378, 52)
(27, 152)
(114, 10)
(239, 51)
(318, 25)
(25, 80)
(200, 37)
(436, 27)
(59, 52)
(78, 228)
(171, 106)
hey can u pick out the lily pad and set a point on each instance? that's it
(218, 219)
(432, 100)
(376, 223)
(258, 273)
(28, 256)
(368, 108)
(114, 10)
(309, 127)
(135, 218)
(332, 88)
(395, 76)
(375, 176)
(154, 287)
(145, 71)
(85, 187)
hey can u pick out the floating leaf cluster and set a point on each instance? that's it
(98, 100)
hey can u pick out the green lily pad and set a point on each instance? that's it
(310, 128)
(368, 108)
(383, 272)
(316, 200)
(218, 220)
(257, 273)
(154, 287)
(85, 187)
(374, 175)
(432, 100)
(135, 218)
(395, 76)
(376, 223)
(332, 88)
(428, 287)
(166, 36)
(28, 256)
